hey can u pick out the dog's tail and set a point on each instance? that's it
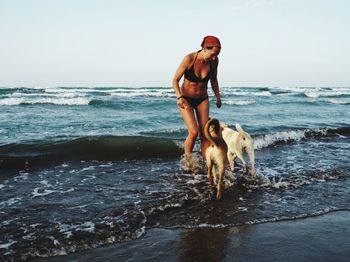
(242, 132)
(212, 122)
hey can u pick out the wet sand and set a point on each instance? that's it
(321, 238)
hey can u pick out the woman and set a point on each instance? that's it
(192, 97)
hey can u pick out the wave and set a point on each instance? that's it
(310, 92)
(54, 101)
(263, 141)
(327, 93)
(339, 102)
(257, 221)
(239, 102)
(104, 148)
(258, 91)
(145, 94)
(114, 148)
(238, 92)
(57, 238)
(76, 96)
(297, 180)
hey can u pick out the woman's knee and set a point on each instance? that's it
(193, 132)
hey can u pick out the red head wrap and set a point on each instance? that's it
(211, 41)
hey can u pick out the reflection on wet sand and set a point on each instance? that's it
(212, 244)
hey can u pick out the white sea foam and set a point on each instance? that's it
(247, 93)
(311, 94)
(264, 93)
(92, 90)
(120, 92)
(193, 181)
(62, 101)
(194, 164)
(88, 168)
(10, 201)
(69, 229)
(63, 94)
(39, 192)
(270, 139)
(45, 183)
(339, 101)
(11, 101)
(239, 102)
(55, 101)
(275, 180)
(143, 94)
(7, 245)
(22, 176)
(316, 93)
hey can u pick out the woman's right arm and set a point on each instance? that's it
(178, 75)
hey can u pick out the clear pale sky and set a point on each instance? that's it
(141, 43)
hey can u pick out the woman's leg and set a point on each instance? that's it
(203, 116)
(192, 127)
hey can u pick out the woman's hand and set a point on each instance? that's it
(218, 102)
(181, 103)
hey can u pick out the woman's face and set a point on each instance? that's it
(211, 52)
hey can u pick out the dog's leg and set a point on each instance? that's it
(240, 156)
(219, 186)
(252, 161)
(210, 174)
(230, 157)
(213, 169)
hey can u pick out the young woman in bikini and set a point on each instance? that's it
(192, 97)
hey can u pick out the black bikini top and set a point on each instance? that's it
(191, 76)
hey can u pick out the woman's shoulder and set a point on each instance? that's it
(190, 57)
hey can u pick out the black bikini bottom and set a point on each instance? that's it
(195, 101)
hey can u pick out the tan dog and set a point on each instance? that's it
(238, 143)
(215, 154)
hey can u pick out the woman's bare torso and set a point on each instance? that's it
(193, 89)
(196, 89)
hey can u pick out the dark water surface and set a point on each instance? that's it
(82, 168)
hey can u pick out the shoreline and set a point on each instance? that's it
(325, 237)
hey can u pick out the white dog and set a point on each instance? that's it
(238, 143)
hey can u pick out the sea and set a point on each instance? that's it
(86, 167)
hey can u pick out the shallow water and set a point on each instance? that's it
(321, 238)
(86, 167)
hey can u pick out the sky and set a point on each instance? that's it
(120, 43)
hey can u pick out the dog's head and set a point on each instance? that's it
(214, 127)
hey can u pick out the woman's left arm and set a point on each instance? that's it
(214, 82)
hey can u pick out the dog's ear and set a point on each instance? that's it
(216, 125)
(223, 125)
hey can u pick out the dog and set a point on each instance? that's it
(238, 143)
(215, 154)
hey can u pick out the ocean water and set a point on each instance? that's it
(82, 167)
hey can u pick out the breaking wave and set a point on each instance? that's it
(263, 141)
(113, 148)
(69, 101)
(105, 148)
